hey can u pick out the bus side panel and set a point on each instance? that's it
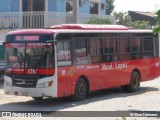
(64, 81)
(106, 75)
(92, 73)
(68, 76)
(150, 69)
(99, 76)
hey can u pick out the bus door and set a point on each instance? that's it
(64, 64)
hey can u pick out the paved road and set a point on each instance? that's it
(146, 99)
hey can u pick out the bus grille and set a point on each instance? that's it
(25, 81)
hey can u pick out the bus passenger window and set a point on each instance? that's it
(147, 47)
(107, 58)
(123, 48)
(81, 54)
(109, 49)
(95, 46)
(63, 53)
(95, 49)
(135, 44)
(109, 46)
(136, 48)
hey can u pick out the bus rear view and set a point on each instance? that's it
(30, 64)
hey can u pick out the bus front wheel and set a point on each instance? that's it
(80, 89)
(134, 83)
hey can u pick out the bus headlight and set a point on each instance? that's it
(44, 85)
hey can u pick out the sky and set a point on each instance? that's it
(137, 5)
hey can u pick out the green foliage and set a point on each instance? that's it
(158, 16)
(68, 7)
(111, 7)
(123, 118)
(157, 28)
(122, 18)
(140, 24)
(99, 21)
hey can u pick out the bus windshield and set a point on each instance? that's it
(30, 55)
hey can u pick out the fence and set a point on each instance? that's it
(38, 19)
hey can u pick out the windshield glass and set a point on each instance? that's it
(30, 55)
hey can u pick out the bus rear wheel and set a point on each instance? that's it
(80, 90)
(37, 98)
(134, 83)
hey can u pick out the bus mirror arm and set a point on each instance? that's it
(2, 43)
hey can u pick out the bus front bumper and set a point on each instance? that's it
(39, 91)
(33, 92)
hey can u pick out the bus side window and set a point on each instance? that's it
(107, 58)
(123, 48)
(81, 51)
(147, 47)
(108, 50)
(95, 49)
(136, 48)
(64, 53)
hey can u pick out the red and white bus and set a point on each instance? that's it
(75, 59)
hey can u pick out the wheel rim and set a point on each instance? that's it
(81, 89)
(136, 81)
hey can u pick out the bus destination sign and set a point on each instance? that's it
(27, 38)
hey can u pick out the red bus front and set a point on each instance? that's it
(30, 69)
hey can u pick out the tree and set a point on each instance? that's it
(99, 21)
(110, 7)
(157, 28)
(122, 18)
(68, 6)
(140, 24)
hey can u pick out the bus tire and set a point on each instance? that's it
(80, 90)
(37, 98)
(134, 82)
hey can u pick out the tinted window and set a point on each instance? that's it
(95, 46)
(64, 53)
(136, 44)
(147, 44)
(81, 54)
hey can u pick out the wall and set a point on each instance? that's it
(9, 5)
(61, 6)
(56, 5)
(52, 5)
(85, 7)
(103, 11)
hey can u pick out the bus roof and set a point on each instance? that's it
(30, 31)
(89, 27)
(43, 35)
(80, 28)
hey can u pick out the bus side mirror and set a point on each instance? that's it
(2, 43)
